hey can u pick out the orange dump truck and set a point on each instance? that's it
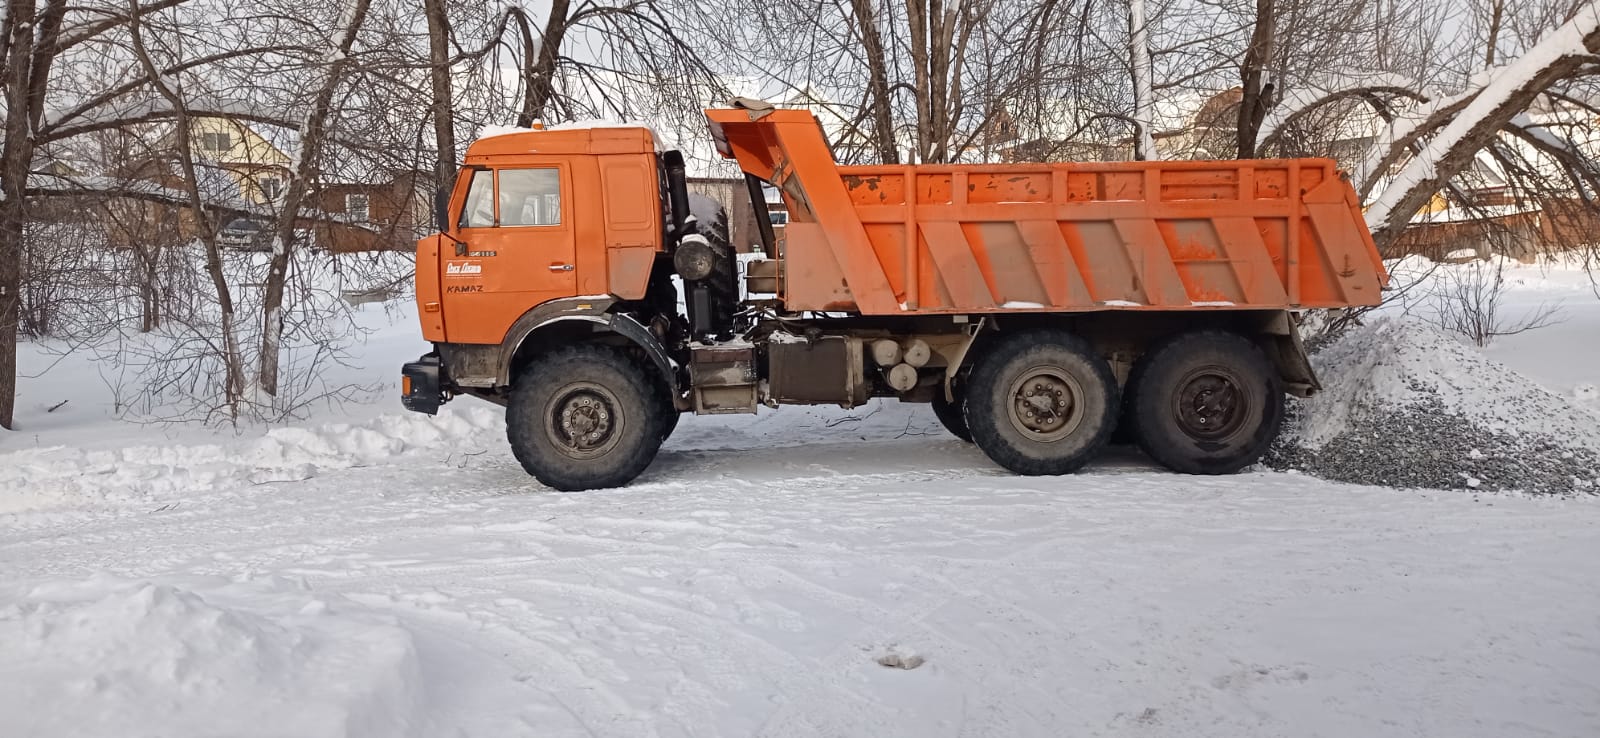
(1037, 307)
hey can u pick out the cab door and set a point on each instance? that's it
(520, 249)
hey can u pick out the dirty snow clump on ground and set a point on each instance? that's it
(201, 656)
(1404, 405)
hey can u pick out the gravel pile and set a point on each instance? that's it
(1406, 406)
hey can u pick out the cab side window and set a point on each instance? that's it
(479, 212)
(530, 197)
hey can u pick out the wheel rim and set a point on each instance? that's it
(583, 420)
(1045, 403)
(1211, 403)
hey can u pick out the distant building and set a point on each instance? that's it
(244, 169)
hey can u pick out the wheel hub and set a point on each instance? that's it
(584, 420)
(1045, 403)
(1210, 404)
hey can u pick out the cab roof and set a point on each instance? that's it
(565, 140)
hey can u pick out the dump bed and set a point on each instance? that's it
(1167, 235)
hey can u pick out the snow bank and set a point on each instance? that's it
(200, 657)
(50, 477)
(1405, 405)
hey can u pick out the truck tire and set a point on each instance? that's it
(584, 417)
(663, 393)
(1208, 402)
(952, 415)
(1041, 402)
(669, 420)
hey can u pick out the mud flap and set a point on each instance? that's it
(1288, 354)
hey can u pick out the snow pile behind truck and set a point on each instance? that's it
(1404, 405)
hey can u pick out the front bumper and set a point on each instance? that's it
(422, 385)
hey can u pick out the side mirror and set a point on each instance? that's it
(441, 209)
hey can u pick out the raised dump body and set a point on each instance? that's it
(1167, 235)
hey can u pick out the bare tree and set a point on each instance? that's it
(442, 110)
(31, 38)
(233, 361)
(1143, 93)
(1256, 91)
(1469, 305)
(313, 131)
(1467, 127)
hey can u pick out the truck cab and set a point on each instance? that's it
(537, 216)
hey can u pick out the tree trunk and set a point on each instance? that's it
(1496, 17)
(1254, 102)
(15, 156)
(917, 15)
(233, 362)
(311, 136)
(146, 257)
(10, 286)
(444, 128)
(539, 82)
(1143, 95)
(879, 97)
(938, 56)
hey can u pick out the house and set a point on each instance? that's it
(244, 169)
(388, 212)
(251, 169)
(1490, 212)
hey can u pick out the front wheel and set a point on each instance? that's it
(584, 417)
(1207, 402)
(1041, 402)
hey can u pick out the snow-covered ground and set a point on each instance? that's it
(1564, 357)
(369, 573)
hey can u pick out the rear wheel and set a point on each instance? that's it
(1208, 402)
(585, 417)
(1041, 402)
(952, 415)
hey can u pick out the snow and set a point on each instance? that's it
(751, 585)
(704, 209)
(1407, 404)
(1121, 303)
(491, 131)
(107, 656)
(1021, 305)
(1540, 133)
(785, 337)
(373, 573)
(52, 477)
(1298, 100)
(1394, 361)
(1561, 357)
